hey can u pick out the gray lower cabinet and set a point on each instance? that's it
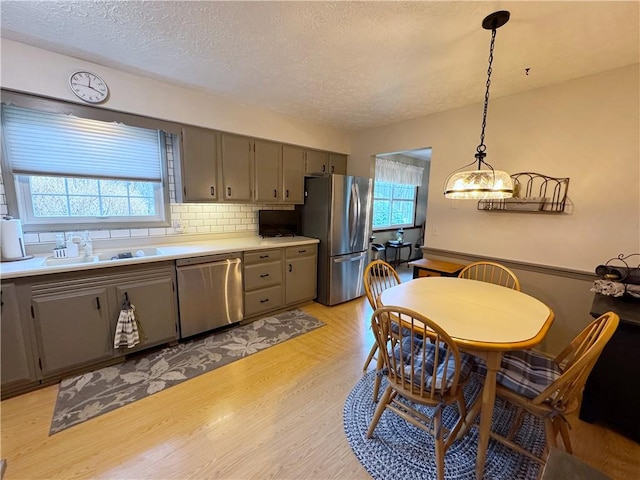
(263, 281)
(72, 328)
(17, 356)
(153, 296)
(75, 315)
(300, 274)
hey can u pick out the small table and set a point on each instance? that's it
(397, 252)
(483, 319)
(425, 267)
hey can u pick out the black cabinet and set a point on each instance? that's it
(612, 390)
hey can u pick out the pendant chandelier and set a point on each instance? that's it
(487, 183)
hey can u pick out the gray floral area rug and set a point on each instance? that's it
(87, 396)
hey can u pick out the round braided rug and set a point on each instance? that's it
(401, 450)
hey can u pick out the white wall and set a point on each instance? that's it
(586, 129)
(33, 70)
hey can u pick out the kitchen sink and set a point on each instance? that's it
(125, 253)
(104, 256)
(53, 261)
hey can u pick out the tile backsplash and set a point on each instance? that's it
(186, 218)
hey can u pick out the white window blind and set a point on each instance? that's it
(42, 143)
(388, 171)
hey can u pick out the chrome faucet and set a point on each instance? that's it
(85, 242)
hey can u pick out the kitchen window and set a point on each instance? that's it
(67, 169)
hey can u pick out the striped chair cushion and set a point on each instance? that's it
(429, 366)
(524, 372)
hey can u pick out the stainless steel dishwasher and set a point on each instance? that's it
(209, 292)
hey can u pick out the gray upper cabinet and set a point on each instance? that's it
(338, 163)
(293, 165)
(317, 162)
(236, 168)
(17, 356)
(216, 166)
(268, 170)
(199, 164)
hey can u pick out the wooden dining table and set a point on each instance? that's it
(484, 320)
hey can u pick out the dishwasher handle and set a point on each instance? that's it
(208, 259)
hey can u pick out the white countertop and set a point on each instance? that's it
(169, 251)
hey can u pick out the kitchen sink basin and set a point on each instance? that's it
(53, 261)
(125, 253)
(104, 256)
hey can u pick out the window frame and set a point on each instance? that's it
(16, 204)
(393, 226)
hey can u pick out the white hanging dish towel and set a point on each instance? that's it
(127, 329)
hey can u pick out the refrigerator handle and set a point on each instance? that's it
(358, 207)
(353, 221)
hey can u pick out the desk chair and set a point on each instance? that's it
(378, 276)
(424, 367)
(491, 272)
(550, 389)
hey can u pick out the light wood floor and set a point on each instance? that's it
(276, 414)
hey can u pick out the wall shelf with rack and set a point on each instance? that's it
(533, 192)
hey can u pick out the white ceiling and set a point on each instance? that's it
(344, 64)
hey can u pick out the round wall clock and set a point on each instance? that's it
(88, 86)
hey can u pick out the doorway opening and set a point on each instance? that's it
(401, 190)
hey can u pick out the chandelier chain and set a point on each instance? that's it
(482, 147)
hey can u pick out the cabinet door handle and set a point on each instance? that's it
(287, 193)
(264, 256)
(275, 194)
(264, 275)
(333, 168)
(228, 191)
(302, 251)
(98, 302)
(290, 268)
(264, 300)
(213, 191)
(324, 168)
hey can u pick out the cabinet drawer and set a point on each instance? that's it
(301, 251)
(262, 275)
(262, 256)
(262, 300)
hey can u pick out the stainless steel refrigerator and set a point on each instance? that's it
(337, 211)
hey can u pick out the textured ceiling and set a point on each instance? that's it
(344, 64)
